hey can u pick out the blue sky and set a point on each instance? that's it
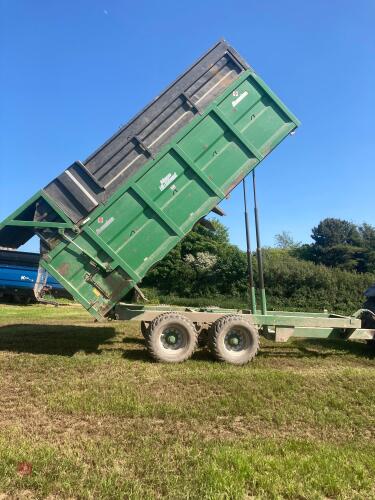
(72, 72)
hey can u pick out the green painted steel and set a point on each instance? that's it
(99, 262)
(281, 325)
(17, 219)
(272, 318)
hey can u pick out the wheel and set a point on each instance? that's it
(234, 340)
(145, 329)
(172, 338)
(368, 319)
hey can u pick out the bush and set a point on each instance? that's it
(205, 269)
(295, 284)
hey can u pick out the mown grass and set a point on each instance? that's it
(83, 403)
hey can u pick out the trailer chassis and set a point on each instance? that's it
(275, 325)
(208, 322)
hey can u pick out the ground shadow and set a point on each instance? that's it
(62, 340)
(137, 355)
(133, 340)
(318, 348)
(67, 340)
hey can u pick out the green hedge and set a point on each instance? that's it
(295, 284)
(291, 284)
(206, 269)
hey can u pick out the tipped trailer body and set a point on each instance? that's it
(105, 221)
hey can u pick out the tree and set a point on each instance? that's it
(331, 232)
(340, 243)
(284, 240)
(203, 263)
(367, 235)
(206, 264)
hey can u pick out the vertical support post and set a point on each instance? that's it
(263, 302)
(250, 272)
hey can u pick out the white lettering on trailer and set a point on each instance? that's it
(240, 98)
(167, 180)
(26, 278)
(105, 225)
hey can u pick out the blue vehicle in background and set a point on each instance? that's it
(19, 274)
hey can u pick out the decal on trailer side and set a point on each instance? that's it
(167, 180)
(105, 225)
(240, 98)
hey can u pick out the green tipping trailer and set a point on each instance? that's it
(105, 221)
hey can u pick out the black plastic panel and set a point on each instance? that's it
(19, 258)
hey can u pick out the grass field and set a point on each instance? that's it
(84, 405)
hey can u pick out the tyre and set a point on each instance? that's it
(172, 338)
(234, 340)
(368, 319)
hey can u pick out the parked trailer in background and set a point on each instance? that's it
(18, 275)
(105, 221)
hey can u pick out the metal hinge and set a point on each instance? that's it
(90, 279)
(143, 146)
(191, 103)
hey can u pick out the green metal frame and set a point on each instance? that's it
(118, 261)
(13, 221)
(276, 325)
(273, 318)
